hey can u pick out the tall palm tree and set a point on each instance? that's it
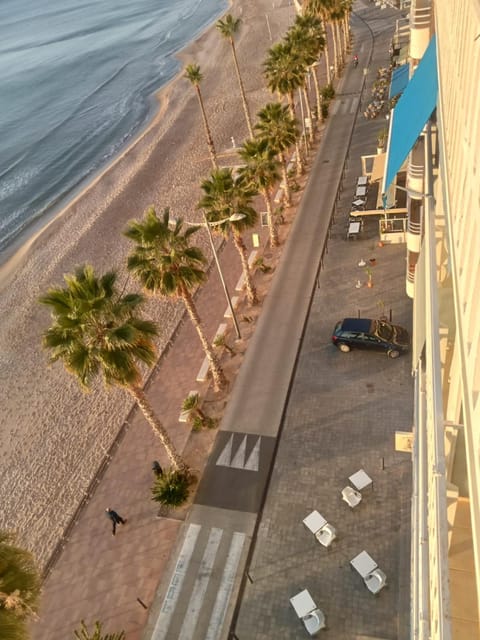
(285, 73)
(261, 169)
(167, 265)
(19, 588)
(276, 125)
(97, 330)
(193, 73)
(225, 198)
(307, 35)
(321, 8)
(228, 27)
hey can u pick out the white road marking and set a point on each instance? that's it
(225, 589)
(224, 458)
(187, 631)
(174, 588)
(239, 460)
(254, 458)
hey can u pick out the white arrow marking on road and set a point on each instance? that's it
(224, 458)
(254, 458)
(238, 461)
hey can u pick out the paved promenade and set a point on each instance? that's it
(302, 417)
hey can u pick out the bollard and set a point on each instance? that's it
(382, 464)
(142, 603)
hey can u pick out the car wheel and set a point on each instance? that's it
(393, 353)
(345, 348)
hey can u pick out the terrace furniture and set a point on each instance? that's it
(312, 617)
(351, 497)
(361, 480)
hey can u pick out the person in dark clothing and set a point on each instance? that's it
(115, 518)
(157, 469)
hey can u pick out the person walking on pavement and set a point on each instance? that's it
(115, 518)
(157, 469)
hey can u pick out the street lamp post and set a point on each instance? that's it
(235, 216)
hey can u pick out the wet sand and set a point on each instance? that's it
(53, 436)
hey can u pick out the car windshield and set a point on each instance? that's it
(383, 330)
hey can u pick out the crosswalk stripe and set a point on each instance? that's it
(353, 108)
(201, 583)
(174, 588)
(225, 589)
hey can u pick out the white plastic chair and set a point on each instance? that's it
(326, 535)
(376, 580)
(314, 622)
(351, 497)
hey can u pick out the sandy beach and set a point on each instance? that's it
(53, 436)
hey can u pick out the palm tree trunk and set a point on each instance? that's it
(272, 229)
(311, 133)
(219, 380)
(177, 461)
(287, 196)
(242, 90)
(318, 97)
(340, 44)
(327, 53)
(335, 52)
(298, 155)
(242, 250)
(211, 146)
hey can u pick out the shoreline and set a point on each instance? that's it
(12, 256)
(48, 425)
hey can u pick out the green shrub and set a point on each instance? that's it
(172, 488)
(325, 108)
(328, 92)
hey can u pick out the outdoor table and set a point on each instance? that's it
(361, 192)
(353, 228)
(314, 521)
(358, 203)
(303, 603)
(362, 181)
(360, 480)
(363, 564)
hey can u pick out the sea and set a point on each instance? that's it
(77, 79)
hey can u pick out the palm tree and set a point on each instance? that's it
(19, 588)
(285, 73)
(228, 27)
(96, 329)
(261, 169)
(276, 125)
(321, 8)
(307, 35)
(192, 73)
(167, 265)
(96, 634)
(224, 199)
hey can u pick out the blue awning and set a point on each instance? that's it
(399, 80)
(411, 113)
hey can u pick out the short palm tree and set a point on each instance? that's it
(97, 330)
(225, 198)
(228, 27)
(192, 73)
(261, 169)
(276, 125)
(285, 73)
(96, 634)
(19, 588)
(167, 265)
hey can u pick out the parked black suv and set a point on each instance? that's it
(363, 333)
